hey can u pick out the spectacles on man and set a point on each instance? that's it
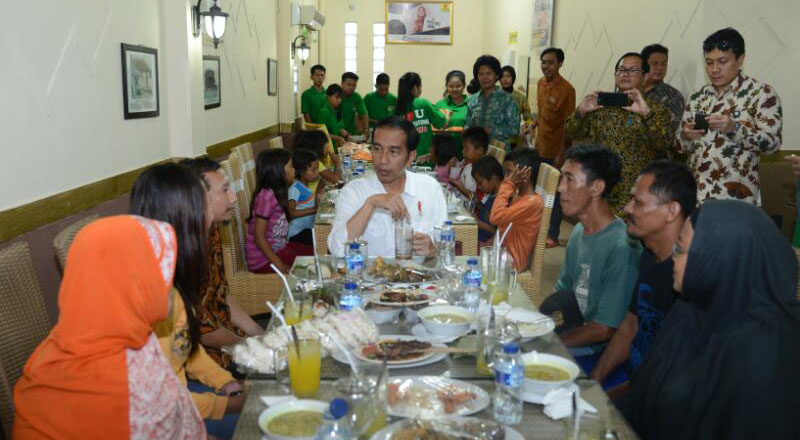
(623, 71)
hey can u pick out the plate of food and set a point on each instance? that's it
(399, 297)
(382, 271)
(295, 420)
(449, 428)
(433, 396)
(397, 349)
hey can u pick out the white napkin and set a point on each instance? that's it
(558, 404)
(277, 400)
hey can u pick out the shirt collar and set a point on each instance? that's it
(410, 187)
(732, 87)
(463, 102)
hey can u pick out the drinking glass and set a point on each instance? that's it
(304, 366)
(403, 233)
(489, 339)
(280, 362)
(501, 284)
(365, 394)
(487, 263)
(590, 427)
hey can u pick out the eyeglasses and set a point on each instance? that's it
(623, 72)
(394, 152)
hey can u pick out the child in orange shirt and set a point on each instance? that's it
(517, 203)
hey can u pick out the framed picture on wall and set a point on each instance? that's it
(542, 27)
(272, 77)
(139, 81)
(419, 22)
(211, 82)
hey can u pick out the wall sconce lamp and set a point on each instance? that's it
(303, 50)
(214, 21)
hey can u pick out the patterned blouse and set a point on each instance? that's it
(726, 164)
(214, 312)
(635, 138)
(498, 112)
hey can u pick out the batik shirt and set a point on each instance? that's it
(498, 112)
(636, 139)
(672, 99)
(725, 165)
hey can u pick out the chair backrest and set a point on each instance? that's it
(546, 187)
(498, 152)
(23, 322)
(64, 239)
(276, 142)
(234, 232)
(248, 164)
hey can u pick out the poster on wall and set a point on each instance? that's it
(272, 77)
(211, 82)
(542, 34)
(418, 22)
(139, 81)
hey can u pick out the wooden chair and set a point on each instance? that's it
(531, 279)
(249, 289)
(248, 164)
(499, 152)
(64, 239)
(276, 142)
(23, 323)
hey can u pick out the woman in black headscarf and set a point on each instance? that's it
(726, 362)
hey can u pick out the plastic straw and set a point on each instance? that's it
(497, 256)
(346, 353)
(316, 256)
(503, 238)
(280, 318)
(285, 282)
(576, 412)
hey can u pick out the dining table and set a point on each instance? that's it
(534, 424)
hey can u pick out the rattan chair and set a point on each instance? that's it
(248, 165)
(249, 289)
(498, 151)
(64, 239)
(276, 142)
(23, 322)
(531, 279)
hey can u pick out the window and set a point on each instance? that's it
(350, 46)
(378, 49)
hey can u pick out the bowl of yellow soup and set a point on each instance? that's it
(296, 420)
(446, 320)
(545, 372)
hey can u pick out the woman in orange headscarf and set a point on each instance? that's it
(100, 374)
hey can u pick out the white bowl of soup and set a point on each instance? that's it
(295, 420)
(446, 320)
(545, 372)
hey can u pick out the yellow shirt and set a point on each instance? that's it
(173, 335)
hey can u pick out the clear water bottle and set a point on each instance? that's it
(350, 298)
(347, 165)
(354, 261)
(355, 175)
(472, 283)
(334, 424)
(360, 167)
(447, 243)
(509, 375)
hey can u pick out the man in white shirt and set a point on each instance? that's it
(368, 207)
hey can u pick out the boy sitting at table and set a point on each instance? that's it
(488, 173)
(330, 164)
(518, 203)
(476, 144)
(302, 199)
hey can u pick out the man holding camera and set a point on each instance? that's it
(729, 123)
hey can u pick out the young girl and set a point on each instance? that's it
(331, 115)
(330, 164)
(267, 229)
(444, 156)
(303, 199)
(420, 112)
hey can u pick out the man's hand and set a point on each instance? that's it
(390, 202)
(589, 104)
(639, 105)
(423, 245)
(231, 387)
(721, 123)
(518, 176)
(795, 160)
(690, 133)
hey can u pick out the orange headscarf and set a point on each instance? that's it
(99, 374)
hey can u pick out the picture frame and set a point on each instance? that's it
(272, 76)
(419, 22)
(139, 81)
(212, 84)
(542, 25)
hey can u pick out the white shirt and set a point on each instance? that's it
(467, 180)
(422, 196)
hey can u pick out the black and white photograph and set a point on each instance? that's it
(211, 82)
(139, 81)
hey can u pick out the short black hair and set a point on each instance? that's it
(445, 148)
(314, 140)
(725, 39)
(382, 78)
(645, 66)
(488, 61)
(673, 181)
(349, 75)
(526, 157)
(399, 123)
(598, 162)
(301, 160)
(558, 52)
(201, 165)
(477, 137)
(334, 89)
(654, 48)
(317, 67)
(487, 167)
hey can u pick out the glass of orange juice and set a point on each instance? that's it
(304, 366)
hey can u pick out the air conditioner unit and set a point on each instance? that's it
(307, 16)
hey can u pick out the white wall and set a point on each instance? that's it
(61, 119)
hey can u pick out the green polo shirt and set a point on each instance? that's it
(458, 117)
(327, 116)
(311, 101)
(425, 116)
(379, 107)
(350, 106)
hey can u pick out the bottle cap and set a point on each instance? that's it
(338, 408)
(350, 286)
(354, 245)
(448, 222)
(511, 348)
(472, 261)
